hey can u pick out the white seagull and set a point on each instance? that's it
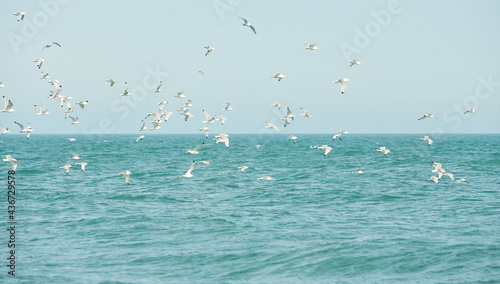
(272, 126)
(463, 180)
(82, 103)
(126, 174)
(66, 168)
(343, 84)
(126, 92)
(8, 105)
(306, 112)
(354, 62)
(5, 130)
(82, 165)
(221, 118)
(242, 168)
(208, 118)
(188, 173)
(293, 137)
(9, 158)
(343, 131)
(326, 148)
(450, 175)
(204, 128)
(427, 139)
(39, 62)
(75, 120)
(195, 150)
(312, 46)
(337, 136)
(71, 139)
(45, 75)
(43, 111)
(111, 82)
(471, 110)
(277, 104)
(74, 156)
(179, 95)
(279, 76)
(158, 89)
(209, 49)
(139, 138)
(2, 85)
(20, 15)
(384, 150)
(266, 178)
(247, 24)
(26, 130)
(427, 115)
(50, 45)
(222, 138)
(358, 171)
(227, 107)
(434, 179)
(162, 105)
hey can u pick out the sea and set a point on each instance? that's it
(315, 222)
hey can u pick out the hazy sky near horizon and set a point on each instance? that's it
(439, 57)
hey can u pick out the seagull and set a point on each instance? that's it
(195, 150)
(428, 140)
(9, 158)
(20, 15)
(358, 171)
(189, 103)
(39, 62)
(208, 119)
(287, 121)
(427, 115)
(463, 180)
(71, 139)
(44, 75)
(143, 127)
(279, 76)
(55, 83)
(337, 136)
(201, 72)
(450, 175)
(158, 89)
(75, 120)
(471, 110)
(222, 138)
(187, 115)
(354, 62)
(247, 24)
(438, 169)
(306, 112)
(26, 130)
(242, 168)
(293, 137)
(2, 85)
(126, 174)
(289, 114)
(64, 99)
(257, 146)
(67, 112)
(43, 111)
(384, 150)
(326, 148)
(5, 130)
(266, 178)
(204, 128)
(434, 179)
(272, 126)
(8, 105)
(312, 46)
(82, 103)
(209, 49)
(179, 95)
(221, 118)
(162, 105)
(206, 162)
(277, 104)
(74, 156)
(343, 84)
(126, 92)
(167, 115)
(188, 173)
(82, 165)
(111, 82)
(50, 45)
(66, 168)
(139, 138)
(156, 126)
(227, 107)
(343, 131)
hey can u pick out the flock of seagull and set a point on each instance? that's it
(160, 116)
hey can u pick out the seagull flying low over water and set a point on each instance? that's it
(326, 148)
(312, 46)
(209, 49)
(427, 139)
(188, 173)
(13, 161)
(66, 168)
(2, 85)
(354, 62)
(50, 44)
(82, 165)
(43, 111)
(242, 168)
(5, 130)
(337, 136)
(8, 105)
(463, 180)
(222, 138)
(358, 171)
(427, 115)
(471, 110)
(343, 84)
(384, 150)
(139, 138)
(143, 127)
(74, 156)
(126, 174)
(293, 137)
(434, 179)
(112, 82)
(71, 139)
(247, 24)
(20, 15)
(279, 76)
(343, 131)
(265, 178)
(195, 150)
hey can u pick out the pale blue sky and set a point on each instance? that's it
(429, 57)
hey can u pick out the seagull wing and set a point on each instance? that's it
(244, 20)
(199, 147)
(253, 29)
(342, 86)
(190, 168)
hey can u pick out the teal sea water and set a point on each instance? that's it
(316, 222)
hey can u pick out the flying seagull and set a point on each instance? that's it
(5, 130)
(195, 150)
(188, 173)
(126, 92)
(343, 84)
(279, 76)
(112, 82)
(354, 62)
(209, 49)
(139, 138)
(9, 158)
(82, 165)
(50, 44)
(427, 115)
(247, 24)
(66, 168)
(126, 174)
(43, 111)
(312, 46)
(158, 89)
(427, 139)
(8, 105)
(20, 15)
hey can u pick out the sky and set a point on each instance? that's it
(438, 57)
